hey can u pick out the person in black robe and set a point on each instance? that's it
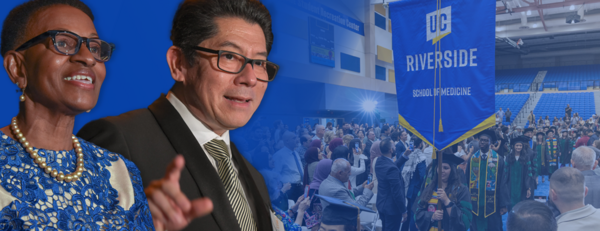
(454, 196)
(518, 171)
(540, 157)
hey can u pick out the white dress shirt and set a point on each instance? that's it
(285, 164)
(202, 134)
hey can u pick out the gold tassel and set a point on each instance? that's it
(441, 129)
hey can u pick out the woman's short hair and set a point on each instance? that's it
(328, 136)
(15, 24)
(347, 138)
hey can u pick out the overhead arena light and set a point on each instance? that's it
(369, 105)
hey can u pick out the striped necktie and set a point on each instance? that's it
(218, 150)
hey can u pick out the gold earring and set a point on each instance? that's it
(88, 111)
(22, 97)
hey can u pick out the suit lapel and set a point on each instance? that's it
(204, 174)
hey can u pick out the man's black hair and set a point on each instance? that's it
(15, 24)
(395, 136)
(386, 146)
(385, 128)
(303, 139)
(194, 21)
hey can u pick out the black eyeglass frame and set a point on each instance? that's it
(246, 61)
(52, 33)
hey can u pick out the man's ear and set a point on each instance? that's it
(552, 195)
(14, 64)
(177, 64)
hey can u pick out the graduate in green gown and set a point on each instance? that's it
(489, 193)
(519, 172)
(553, 151)
(566, 148)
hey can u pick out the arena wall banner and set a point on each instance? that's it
(444, 61)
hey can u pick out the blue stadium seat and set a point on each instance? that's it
(519, 79)
(554, 104)
(572, 78)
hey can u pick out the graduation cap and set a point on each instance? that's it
(540, 133)
(550, 130)
(564, 130)
(528, 130)
(452, 159)
(519, 139)
(489, 133)
(341, 212)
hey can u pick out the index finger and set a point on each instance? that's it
(174, 169)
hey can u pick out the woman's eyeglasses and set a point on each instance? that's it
(68, 43)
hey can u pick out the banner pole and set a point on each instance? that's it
(439, 184)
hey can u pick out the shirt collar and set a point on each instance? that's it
(200, 131)
(337, 180)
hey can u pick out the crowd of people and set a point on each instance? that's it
(483, 177)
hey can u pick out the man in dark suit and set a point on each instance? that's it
(402, 145)
(215, 91)
(390, 193)
(369, 143)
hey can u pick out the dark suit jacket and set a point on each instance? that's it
(390, 191)
(400, 149)
(418, 177)
(153, 136)
(367, 150)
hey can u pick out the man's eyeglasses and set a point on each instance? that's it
(68, 43)
(235, 63)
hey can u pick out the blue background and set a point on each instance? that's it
(138, 72)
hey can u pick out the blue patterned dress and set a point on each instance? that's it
(33, 200)
(288, 224)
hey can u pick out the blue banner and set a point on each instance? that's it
(331, 15)
(444, 61)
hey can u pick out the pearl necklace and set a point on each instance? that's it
(42, 163)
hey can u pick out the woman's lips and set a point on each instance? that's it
(86, 82)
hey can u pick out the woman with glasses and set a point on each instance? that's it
(51, 179)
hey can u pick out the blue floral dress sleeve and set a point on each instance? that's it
(288, 224)
(30, 199)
